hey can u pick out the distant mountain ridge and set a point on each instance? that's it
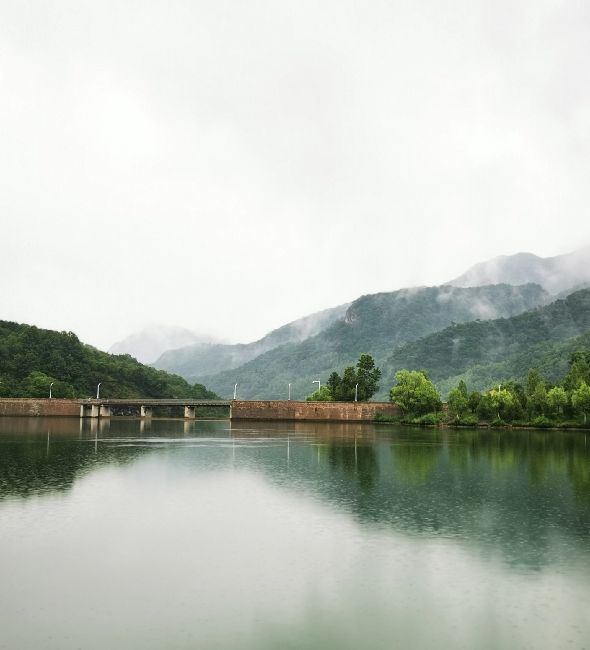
(315, 345)
(149, 343)
(555, 274)
(204, 359)
(375, 323)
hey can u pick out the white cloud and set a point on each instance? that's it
(238, 165)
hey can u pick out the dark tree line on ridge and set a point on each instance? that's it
(31, 359)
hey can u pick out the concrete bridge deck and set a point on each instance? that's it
(157, 402)
(103, 407)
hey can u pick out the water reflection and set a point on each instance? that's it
(471, 484)
(170, 533)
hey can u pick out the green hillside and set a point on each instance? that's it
(376, 324)
(488, 352)
(32, 358)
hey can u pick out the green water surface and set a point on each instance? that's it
(165, 534)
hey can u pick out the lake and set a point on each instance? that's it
(210, 534)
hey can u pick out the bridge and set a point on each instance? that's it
(94, 408)
(238, 409)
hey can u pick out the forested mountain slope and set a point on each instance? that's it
(500, 349)
(202, 359)
(376, 324)
(32, 358)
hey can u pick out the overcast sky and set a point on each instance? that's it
(231, 166)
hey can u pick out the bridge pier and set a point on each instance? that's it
(105, 411)
(89, 410)
(189, 412)
(145, 411)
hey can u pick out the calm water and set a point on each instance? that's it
(211, 535)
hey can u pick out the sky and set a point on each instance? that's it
(229, 166)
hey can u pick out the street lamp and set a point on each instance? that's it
(50, 385)
(98, 390)
(289, 392)
(317, 381)
(356, 393)
(235, 390)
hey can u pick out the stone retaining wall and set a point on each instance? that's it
(39, 407)
(319, 411)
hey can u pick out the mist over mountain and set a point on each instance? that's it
(149, 343)
(374, 323)
(555, 274)
(203, 359)
(485, 353)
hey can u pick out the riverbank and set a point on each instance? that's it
(434, 421)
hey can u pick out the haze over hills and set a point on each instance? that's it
(555, 274)
(203, 359)
(149, 343)
(485, 353)
(312, 347)
(376, 324)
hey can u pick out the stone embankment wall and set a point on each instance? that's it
(39, 407)
(318, 411)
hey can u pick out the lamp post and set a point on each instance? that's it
(235, 390)
(356, 393)
(317, 381)
(50, 385)
(289, 392)
(98, 390)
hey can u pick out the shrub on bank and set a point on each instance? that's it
(542, 422)
(469, 420)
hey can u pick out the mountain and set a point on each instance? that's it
(32, 358)
(555, 274)
(149, 343)
(376, 324)
(489, 352)
(204, 359)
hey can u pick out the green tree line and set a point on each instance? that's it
(535, 402)
(359, 382)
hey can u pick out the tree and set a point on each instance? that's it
(347, 385)
(458, 401)
(518, 392)
(533, 380)
(503, 402)
(334, 382)
(579, 370)
(37, 384)
(581, 399)
(537, 400)
(323, 394)
(365, 374)
(474, 400)
(414, 393)
(536, 393)
(557, 400)
(499, 403)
